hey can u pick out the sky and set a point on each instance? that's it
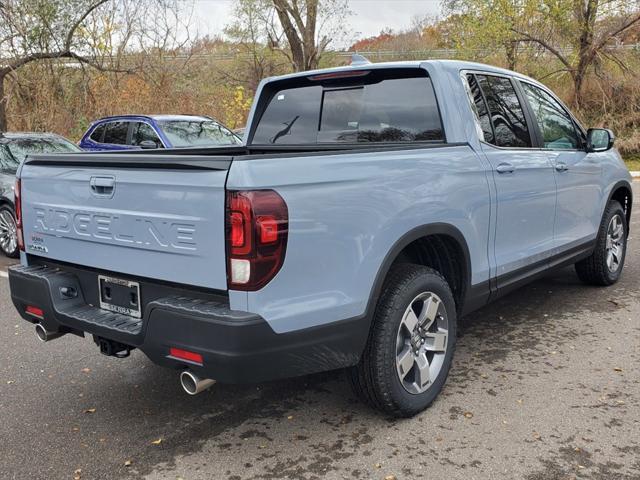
(370, 16)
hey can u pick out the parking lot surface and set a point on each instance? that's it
(545, 385)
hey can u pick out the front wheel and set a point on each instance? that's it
(605, 264)
(8, 232)
(410, 348)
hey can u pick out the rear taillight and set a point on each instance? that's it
(257, 229)
(17, 199)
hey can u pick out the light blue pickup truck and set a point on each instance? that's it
(369, 207)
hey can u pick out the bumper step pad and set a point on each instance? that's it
(76, 308)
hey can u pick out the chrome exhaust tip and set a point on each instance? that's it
(45, 336)
(192, 384)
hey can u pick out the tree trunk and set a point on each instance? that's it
(510, 50)
(3, 105)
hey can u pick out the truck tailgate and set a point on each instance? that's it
(160, 218)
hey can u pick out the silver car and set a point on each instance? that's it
(14, 147)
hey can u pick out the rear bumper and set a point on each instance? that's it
(237, 347)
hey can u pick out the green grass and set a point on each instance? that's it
(633, 162)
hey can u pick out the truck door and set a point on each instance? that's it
(523, 176)
(577, 173)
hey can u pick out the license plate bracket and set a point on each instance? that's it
(120, 296)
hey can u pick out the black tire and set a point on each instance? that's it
(594, 269)
(8, 216)
(376, 380)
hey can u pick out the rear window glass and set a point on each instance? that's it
(364, 110)
(21, 147)
(191, 133)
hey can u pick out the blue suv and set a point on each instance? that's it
(126, 132)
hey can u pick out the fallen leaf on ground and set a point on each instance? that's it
(468, 415)
(90, 410)
(157, 442)
(617, 369)
(77, 473)
(128, 463)
(9, 382)
(86, 370)
(390, 477)
(290, 417)
(378, 465)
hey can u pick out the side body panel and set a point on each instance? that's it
(346, 211)
(526, 203)
(580, 192)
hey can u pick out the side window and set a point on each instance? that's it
(480, 108)
(507, 117)
(144, 132)
(116, 133)
(98, 134)
(557, 127)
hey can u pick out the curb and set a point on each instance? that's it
(635, 174)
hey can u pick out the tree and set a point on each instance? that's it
(309, 27)
(578, 33)
(254, 33)
(94, 33)
(589, 27)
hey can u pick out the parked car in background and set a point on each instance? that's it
(127, 132)
(14, 147)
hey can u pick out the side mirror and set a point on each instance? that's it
(148, 144)
(599, 139)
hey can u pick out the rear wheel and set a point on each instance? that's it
(8, 232)
(605, 264)
(410, 348)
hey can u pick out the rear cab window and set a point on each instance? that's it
(498, 110)
(353, 107)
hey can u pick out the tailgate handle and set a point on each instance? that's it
(102, 186)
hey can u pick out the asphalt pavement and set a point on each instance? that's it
(545, 385)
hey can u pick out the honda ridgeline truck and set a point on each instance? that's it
(369, 208)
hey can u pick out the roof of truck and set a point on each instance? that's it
(449, 65)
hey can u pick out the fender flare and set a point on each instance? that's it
(402, 243)
(613, 190)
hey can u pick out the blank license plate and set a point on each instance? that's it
(120, 296)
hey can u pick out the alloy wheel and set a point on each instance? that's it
(421, 342)
(8, 232)
(615, 243)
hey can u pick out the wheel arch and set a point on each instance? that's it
(5, 201)
(399, 250)
(623, 193)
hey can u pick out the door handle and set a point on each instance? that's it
(102, 186)
(505, 168)
(561, 167)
